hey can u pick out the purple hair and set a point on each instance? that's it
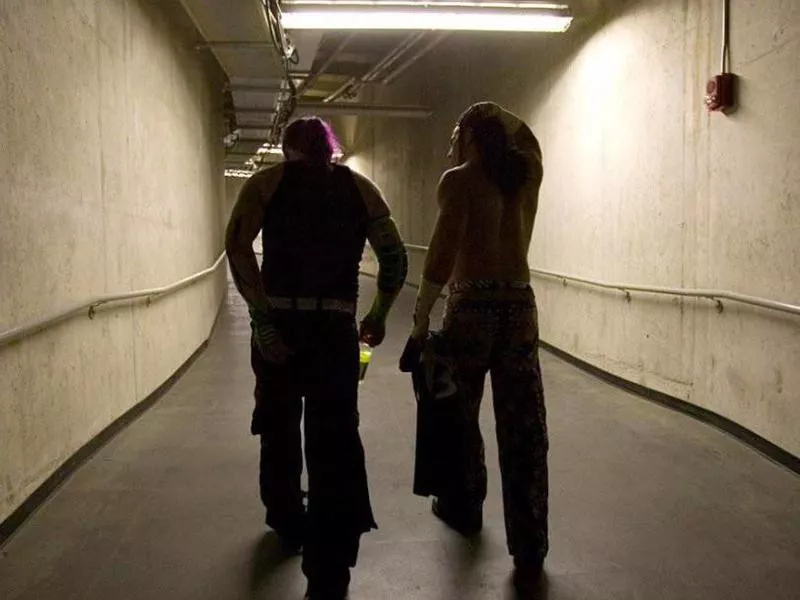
(313, 137)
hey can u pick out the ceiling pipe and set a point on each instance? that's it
(371, 110)
(378, 67)
(233, 45)
(254, 132)
(345, 108)
(390, 58)
(251, 110)
(272, 89)
(265, 124)
(312, 79)
(341, 90)
(391, 76)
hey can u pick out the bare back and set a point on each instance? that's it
(498, 230)
(479, 233)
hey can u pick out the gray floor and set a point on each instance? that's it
(645, 503)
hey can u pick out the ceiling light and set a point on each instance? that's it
(267, 149)
(278, 151)
(239, 173)
(436, 15)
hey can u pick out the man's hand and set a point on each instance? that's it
(267, 338)
(274, 351)
(420, 330)
(372, 330)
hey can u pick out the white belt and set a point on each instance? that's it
(282, 303)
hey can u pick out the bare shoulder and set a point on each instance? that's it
(451, 184)
(264, 182)
(371, 195)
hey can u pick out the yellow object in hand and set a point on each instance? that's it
(364, 356)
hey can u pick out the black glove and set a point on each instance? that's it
(411, 355)
(267, 338)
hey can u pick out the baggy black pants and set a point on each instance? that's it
(493, 328)
(321, 380)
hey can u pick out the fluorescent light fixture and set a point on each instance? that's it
(432, 21)
(278, 151)
(239, 173)
(267, 149)
(441, 15)
(422, 3)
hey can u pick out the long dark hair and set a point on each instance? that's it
(313, 137)
(505, 165)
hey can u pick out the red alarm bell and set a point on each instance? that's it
(720, 92)
(721, 89)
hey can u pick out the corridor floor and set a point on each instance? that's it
(646, 503)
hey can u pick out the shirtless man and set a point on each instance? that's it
(487, 206)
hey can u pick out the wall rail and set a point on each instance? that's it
(626, 288)
(90, 307)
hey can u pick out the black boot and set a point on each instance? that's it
(465, 519)
(527, 576)
(328, 584)
(291, 531)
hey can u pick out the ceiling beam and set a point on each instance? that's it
(373, 110)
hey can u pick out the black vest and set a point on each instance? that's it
(313, 234)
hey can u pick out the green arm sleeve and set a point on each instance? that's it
(391, 252)
(392, 263)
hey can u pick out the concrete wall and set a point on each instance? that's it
(641, 185)
(233, 186)
(111, 171)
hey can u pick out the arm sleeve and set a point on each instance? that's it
(391, 253)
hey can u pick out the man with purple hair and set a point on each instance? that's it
(315, 217)
(488, 203)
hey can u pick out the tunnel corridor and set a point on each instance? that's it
(646, 503)
(665, 258)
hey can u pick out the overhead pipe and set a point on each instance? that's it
(234, 45)
(251, 110)
(391, 76)
(372, 110)
(378, 67)
(253, 132)
(341, 90)
(241, 87)
(390, 58)
(312, 79)
(253, 140)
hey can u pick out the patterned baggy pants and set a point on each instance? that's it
(493, 327)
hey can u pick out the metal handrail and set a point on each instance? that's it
(89, 307)
(716, 295)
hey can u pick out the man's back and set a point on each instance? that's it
(498, 229)
(487, 204)
(314, 229)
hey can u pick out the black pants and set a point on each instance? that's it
(323, 372)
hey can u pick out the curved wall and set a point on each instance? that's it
(641, 185)
(112, 179)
